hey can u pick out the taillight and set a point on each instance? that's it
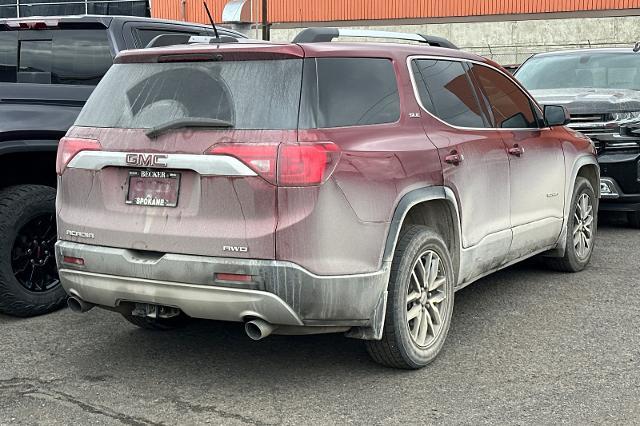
(70, 147)
(261, 158)
(303, 164)
(306, 164)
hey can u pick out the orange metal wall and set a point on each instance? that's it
(355, 10)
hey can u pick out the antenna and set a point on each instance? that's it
(215, 30)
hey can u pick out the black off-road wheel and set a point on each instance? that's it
(634, 219)
(581, 230)
(29, 283)
(420, 301)
(159, 324)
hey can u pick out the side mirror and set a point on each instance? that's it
(556, 115)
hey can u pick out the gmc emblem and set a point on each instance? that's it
(147, 160)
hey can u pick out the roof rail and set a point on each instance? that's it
(326, 34)
(174, 39)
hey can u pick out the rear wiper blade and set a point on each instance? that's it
(187, 122)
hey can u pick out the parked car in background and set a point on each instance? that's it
(601, 90)
(48, 68)
(343, 187)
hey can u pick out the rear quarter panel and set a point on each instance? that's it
(341, 226)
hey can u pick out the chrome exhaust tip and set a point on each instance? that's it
(78, 305)
(258, 329)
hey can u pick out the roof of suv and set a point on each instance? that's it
(322, 49)
(107, 20)
(587, 50)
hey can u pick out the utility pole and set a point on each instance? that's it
(265, 21)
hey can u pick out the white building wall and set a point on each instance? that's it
(513, 41)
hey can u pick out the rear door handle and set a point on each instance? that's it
(454, 158)
(516, 150)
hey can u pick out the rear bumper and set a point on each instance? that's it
(280, 292)
(197, 301)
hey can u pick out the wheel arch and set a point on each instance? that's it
(585, 166)
(28, 162)
(434, 206)
(591, 172)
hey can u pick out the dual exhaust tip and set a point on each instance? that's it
(256, 329)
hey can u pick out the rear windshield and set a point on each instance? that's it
(581, 70)
(78, 57)
(261, 94)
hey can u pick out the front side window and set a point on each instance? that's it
(445, 91)
(341, 92)
(510, 106)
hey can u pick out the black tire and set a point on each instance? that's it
(634, 219)
(571, 262)
(159, 324)
(19, 206)
(398, 348)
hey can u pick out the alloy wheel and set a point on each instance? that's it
(425, 297)
(32, 257)
(583, 226)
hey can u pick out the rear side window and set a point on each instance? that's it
(79, 57)
(260, 95)
(145, 35)
(510, 106)
(8, 55)
(342, 92)
(34, 61)
(445, 91)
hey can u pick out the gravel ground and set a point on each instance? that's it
(526, 346)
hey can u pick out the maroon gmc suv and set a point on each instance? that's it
(315, 187)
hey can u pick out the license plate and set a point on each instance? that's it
(153, 188)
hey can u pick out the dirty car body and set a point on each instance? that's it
(286, 202)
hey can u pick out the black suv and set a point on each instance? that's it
(48, 68)
(601, 90)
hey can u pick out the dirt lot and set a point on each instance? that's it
(526, 345)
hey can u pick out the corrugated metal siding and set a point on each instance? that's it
(189, 10)
(355, 10)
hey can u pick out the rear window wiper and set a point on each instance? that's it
(187, 122)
